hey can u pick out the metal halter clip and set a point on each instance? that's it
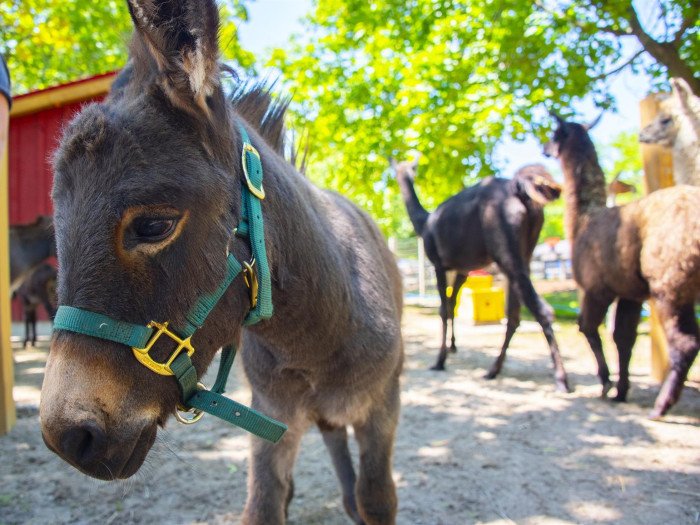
(251, 281)
(162, 368)
(248, 148)
(196, 413)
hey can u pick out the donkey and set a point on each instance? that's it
(147, 198)
(38, 288)
(649, 247)
(30, 245)
(677, 126)
(497, 220)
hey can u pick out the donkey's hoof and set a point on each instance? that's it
(440, 367)
(607, 385)
(453, 349)
(491, 375)
(620, 397)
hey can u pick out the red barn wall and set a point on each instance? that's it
(33, 139)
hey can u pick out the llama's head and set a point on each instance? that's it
(571, 137)
(146, 194)
(406, 168)
(681, 106)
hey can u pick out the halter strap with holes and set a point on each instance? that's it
(194, 397)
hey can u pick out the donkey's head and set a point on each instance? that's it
(146, 195)
(681, 106)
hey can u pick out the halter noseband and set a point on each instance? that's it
(194, 396)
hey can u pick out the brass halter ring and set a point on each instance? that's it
(196, 413)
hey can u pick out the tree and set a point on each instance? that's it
(49, 42)
(452, 78)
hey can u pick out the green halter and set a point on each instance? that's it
(194, 396)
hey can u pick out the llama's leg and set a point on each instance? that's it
(375, 490)
(456, 286)
(336, 440)
(442, 289)
(544, 315)
(625, 335)
(511, 327)
(681, 328)
(593, 310)
(270, 482)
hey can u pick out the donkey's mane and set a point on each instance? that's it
(254, 102)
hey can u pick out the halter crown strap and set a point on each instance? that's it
(141, 338)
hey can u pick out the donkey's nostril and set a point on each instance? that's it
(84, 444)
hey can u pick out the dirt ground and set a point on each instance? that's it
(468, 450)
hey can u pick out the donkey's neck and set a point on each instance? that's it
(416, 212)
(584, 191)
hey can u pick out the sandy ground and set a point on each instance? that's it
(468, 450)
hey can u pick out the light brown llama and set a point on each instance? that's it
(677, 126)
(647, 248)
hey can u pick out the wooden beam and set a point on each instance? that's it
(8, 415)
(658, 173)
(61, 95)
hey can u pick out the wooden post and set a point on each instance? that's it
(658, 173)
(8, 415)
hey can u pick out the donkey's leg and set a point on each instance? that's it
(683, 338)
(270, 483)
(625, 335)
(336, 440)
(456, 286)
(511, 327)
(375, 490)
(593, 310)
(32, 324)
(444, 306)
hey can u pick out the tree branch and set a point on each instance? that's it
(686, 24)
(619, 68)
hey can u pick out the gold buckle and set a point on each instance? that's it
(197, 413)
(259, 193)
(251, 282)
(162, 368)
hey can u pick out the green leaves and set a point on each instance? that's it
(49, 42)
(449, 78)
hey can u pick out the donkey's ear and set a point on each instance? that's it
(392, 162)
(182, 38)
(589, 127)
(416, 157)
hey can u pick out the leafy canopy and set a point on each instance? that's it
(50, 42)
(452, 78)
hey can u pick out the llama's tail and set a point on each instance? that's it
(536, 183)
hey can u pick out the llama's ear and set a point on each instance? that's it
(560, 120)
(681, 90)
(182, 38)
(593, 124)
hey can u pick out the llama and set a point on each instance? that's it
(38, 288)
(30, 245)
(677, 126)
(497, 220)
(649, 247)
(162, 214)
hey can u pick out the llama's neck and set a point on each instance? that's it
(584, 191)
(416, 212)
(686, 155)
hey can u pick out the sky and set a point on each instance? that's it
(272, 22)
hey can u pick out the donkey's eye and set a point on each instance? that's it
(154, 230)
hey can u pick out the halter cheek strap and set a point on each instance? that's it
(194, 396)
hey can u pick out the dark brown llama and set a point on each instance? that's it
(38, 288)
(30, 245)
(497, 220)
(148, 205)
(647, 248)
